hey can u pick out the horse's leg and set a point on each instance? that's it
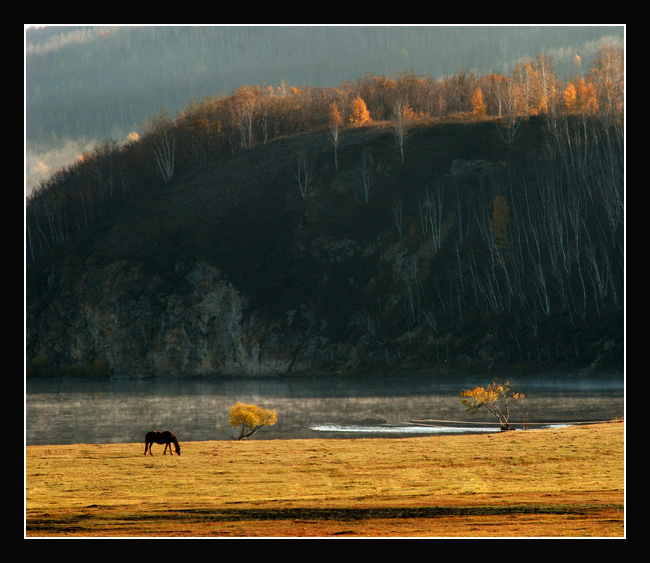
(165, 452)
(146, 445)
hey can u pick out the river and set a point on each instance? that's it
(122, 411)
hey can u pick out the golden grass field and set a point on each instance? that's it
(535, 483)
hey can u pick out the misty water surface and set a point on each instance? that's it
(118, 411)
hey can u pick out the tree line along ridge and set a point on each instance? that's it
(214, 128)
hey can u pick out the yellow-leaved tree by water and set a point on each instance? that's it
(249, 419)
(495, 398)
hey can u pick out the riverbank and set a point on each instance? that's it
(551, 483)
(123, 411)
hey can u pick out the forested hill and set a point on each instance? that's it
(353, 243)
(101, 81)
(87, 83)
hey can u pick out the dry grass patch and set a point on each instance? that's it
(544, 482)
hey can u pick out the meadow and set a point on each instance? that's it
(561, 482)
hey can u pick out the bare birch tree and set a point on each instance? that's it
(161, 131)
(431, 215)
(402, 115)
(514, 114)
(303, 173)
(247, 100)
(397, 210)
(164, 150)
(365, 175)
(335, 129)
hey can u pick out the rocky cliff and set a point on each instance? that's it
(124, 316)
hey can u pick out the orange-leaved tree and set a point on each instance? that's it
(359, 113)
(495, 398)
(478, 103)
(249, 419)
(580, 97)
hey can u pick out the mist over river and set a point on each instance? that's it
(122, 411)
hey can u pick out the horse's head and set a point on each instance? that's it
(178, 449)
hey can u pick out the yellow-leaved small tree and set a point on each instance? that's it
(495, 398)
(580, 97)
(249, 419)
(359, 114)
(478, 103)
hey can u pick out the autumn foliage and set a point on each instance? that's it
(215, 128)
(478, 103)
(495, 398)
(360, 113)
(580, 97)
(250, 418)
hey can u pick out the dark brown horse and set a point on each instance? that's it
(167, 437)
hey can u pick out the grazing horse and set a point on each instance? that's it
(167, 437)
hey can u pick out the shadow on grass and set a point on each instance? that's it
(90, 523)
(351, 514)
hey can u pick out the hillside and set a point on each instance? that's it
(469, 254)
(87, 83)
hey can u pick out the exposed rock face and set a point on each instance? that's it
(130, 320)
